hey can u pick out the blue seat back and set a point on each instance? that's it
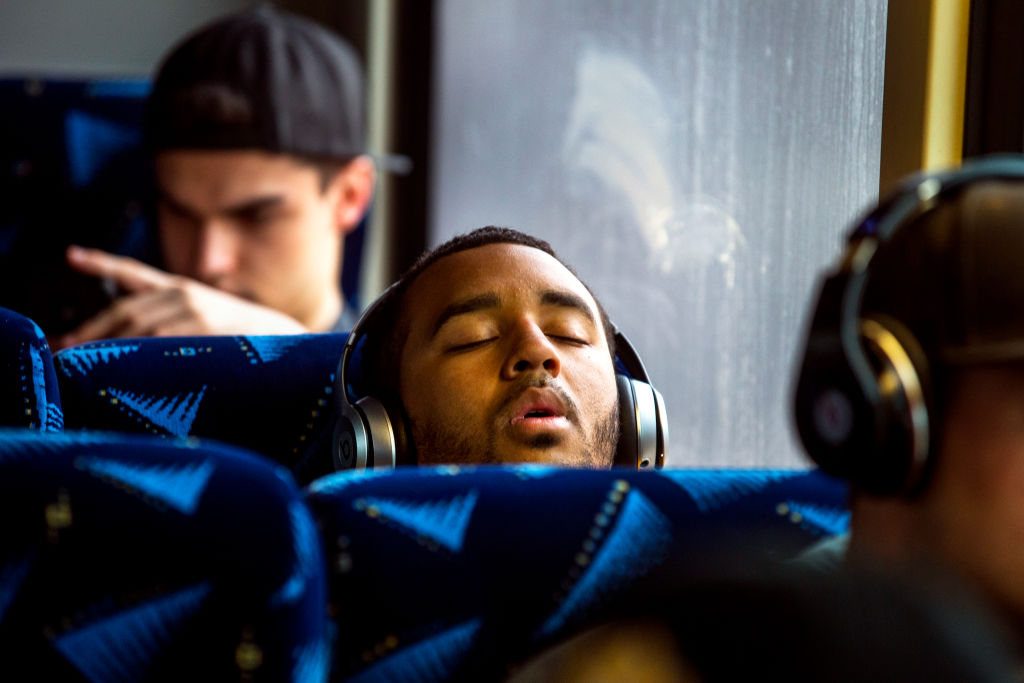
(271, 394)
(139, 559)
(31, 397)
(440, 572)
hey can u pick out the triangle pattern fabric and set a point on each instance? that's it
(712, 489)
(54, 418)
(638, 542)
(535, 471)
(179, 485)
(85, 359)
(330, 484)
(40, 335)
(821, 519)
(16, 444)
(39, 386)
(312, 662)
(444, 521)
(271, 348)
(433, 659)
(307, 555)
(12, 575)
(174, 413)
(121, 647)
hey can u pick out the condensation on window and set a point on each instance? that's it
(698, 163)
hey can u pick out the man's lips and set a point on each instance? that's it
(538, 410)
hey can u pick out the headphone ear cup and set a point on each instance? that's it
(833, 405)
(629, 445)
(860, 424)
(381, 452)
(401, 432)
(835, 415)
(367, 436)
(898, 463)
(643, 432)
(351, 439)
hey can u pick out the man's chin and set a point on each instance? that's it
(560, 448)
(537, 453)
(547, 449)
(545, 442)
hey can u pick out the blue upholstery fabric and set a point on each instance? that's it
(434, 570)
(138, 559)
(271, 394)
(31, 397)
(71, 171)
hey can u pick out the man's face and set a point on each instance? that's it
(252, 224)
(972, 513)
(506, 360)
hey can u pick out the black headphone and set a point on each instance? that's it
(371, 433)
(863, 399)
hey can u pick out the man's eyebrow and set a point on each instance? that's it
(567, 299)
(247, 206)
(176, 205)
(254, 205)
(470, 305)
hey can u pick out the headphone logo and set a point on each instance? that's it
(833, 416)
(347, 451)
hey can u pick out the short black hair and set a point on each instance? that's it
(385, 334)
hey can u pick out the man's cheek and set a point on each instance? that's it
(600, 395)
(425, 396)
(175, 251)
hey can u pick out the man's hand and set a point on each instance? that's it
(158, 304)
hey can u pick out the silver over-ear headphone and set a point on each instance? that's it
(643, 422)
(372, 432)
(366, 436)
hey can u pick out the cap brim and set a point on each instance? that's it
(398, 164)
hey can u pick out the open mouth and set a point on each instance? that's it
(539, 410)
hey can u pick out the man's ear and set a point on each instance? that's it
(353, 187)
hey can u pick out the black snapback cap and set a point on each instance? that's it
(260, 79)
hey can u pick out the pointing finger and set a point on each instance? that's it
(130, 274)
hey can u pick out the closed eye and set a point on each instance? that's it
(469, 345)
(258, 211)
(257, 216)
(576, 341)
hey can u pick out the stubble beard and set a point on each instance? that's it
(437, 445)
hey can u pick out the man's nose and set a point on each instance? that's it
(532, 349)
(216, 251)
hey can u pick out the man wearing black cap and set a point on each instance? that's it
(255, 126)
(911, 384)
